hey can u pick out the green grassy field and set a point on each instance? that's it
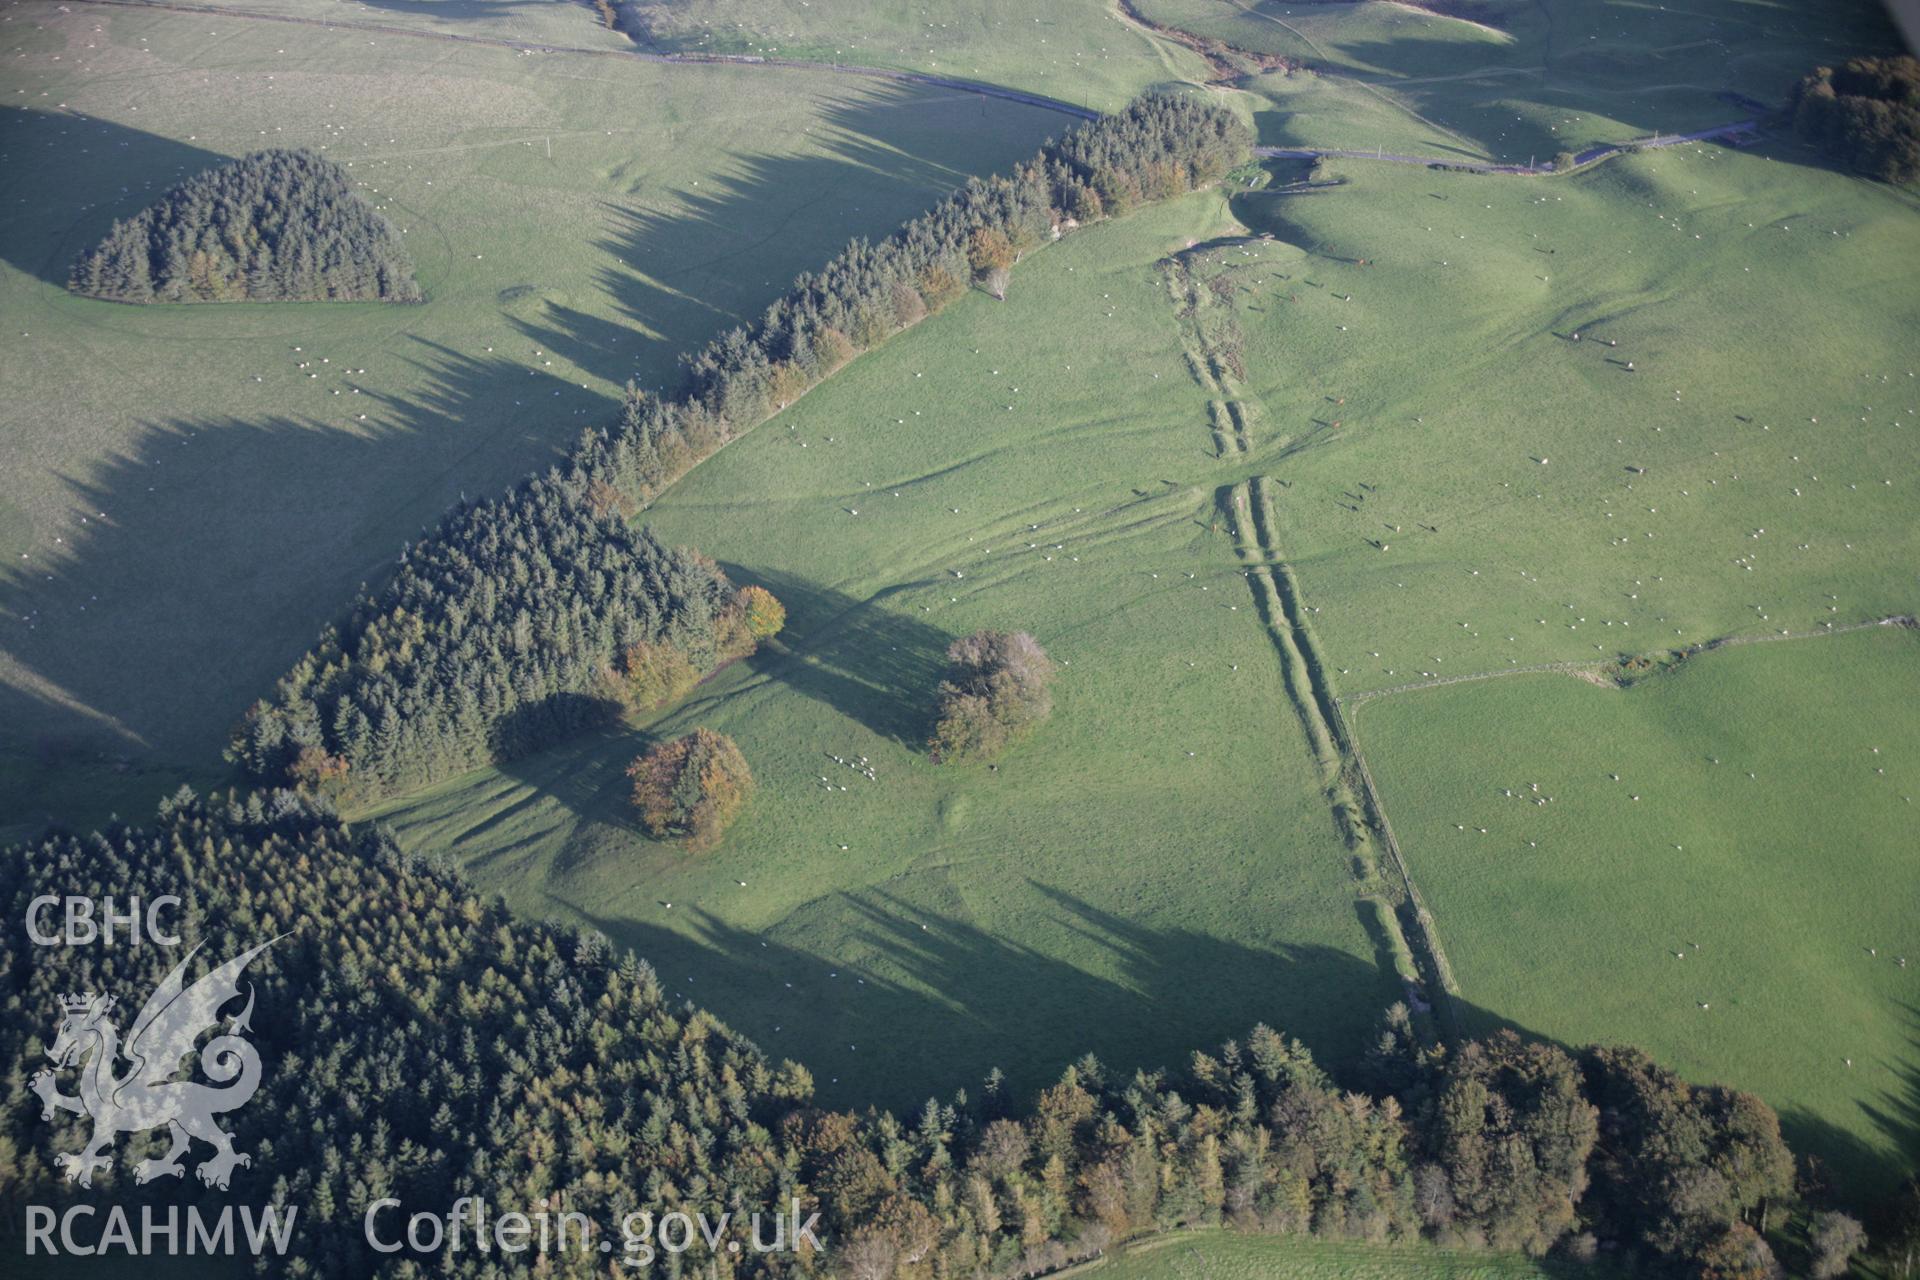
(568, 23)
(1081, 51)
(1509, 80)
(182, 508)
(1761, 828)
(1470, 489)
(1221, 1255)
(1156, 869)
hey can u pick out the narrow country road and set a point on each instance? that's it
(1589, 156)
(1354, 702)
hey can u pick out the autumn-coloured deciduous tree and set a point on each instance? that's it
(656, 674)
(313, 767)
(995, 691)
(692, 788)
(764, 613)
(990, 254)
(1740, 1253)
(755, 614)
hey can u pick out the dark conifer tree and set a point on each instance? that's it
(1864, 113)
(274, 226)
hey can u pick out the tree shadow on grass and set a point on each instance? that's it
(716, 259)
(481, 11)
(864, 659)
(924, 1003)
(96, 171)
(199, 563)
(1865, 1173)
(228, 543)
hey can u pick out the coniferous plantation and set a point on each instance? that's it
(493, 638)
(500, 632)
(275, 226)
(1864, 113)
(425, 1045)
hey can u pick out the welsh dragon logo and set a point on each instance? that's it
(146, 1096)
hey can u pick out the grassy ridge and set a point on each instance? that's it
(1413, 350)
(572, 23)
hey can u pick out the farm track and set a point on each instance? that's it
(1354, 703)
(1350, 789)
(1590, 156)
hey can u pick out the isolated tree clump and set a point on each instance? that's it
(995, 691)
(275, 226)
(1865, 114)
(692, 788)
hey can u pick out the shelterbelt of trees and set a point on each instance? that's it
(1160, 146)
(502, 629)
(274, 226)
(421, 1044)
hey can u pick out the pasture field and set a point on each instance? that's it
(1384, 374)
(182, 507)
(1502, 423)
(1155, 870)
(1082, 51)
(1738, 903)
(1510, 79)
(565, 23)
(1225, 1255)
(1467, 488)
